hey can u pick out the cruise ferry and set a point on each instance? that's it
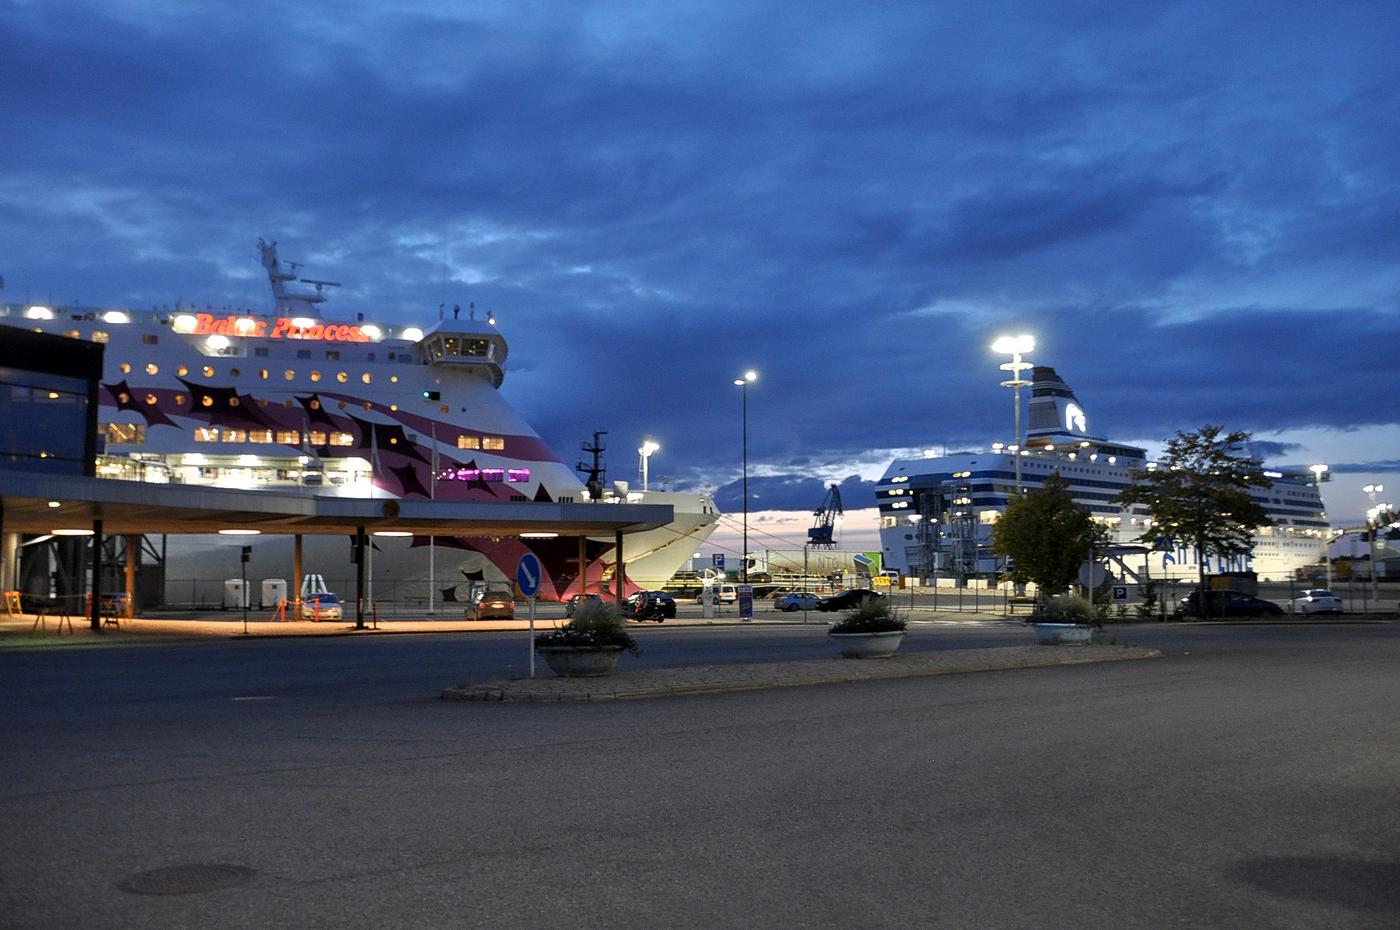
(295, 400)
(937, 513)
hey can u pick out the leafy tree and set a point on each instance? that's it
(1047, 536)
(1199, 494)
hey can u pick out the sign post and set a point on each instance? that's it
(746, 603)
(527, 578)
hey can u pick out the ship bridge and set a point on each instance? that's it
(467, 344)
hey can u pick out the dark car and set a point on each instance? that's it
(652, 605)
(847, 600)
(1229, 604)
(573, 602)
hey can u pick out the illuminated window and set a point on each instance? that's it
(496, 443)
(206, 434)
(289, 374)
(369, 405)
(152, 400)
(366, 377)
(314, 405)
(445, 409)
(262, 401)
(468, 442)
(180, 400)
(235, 435)
(342, 377)
(233, 401)
(152, 369)
(182, 371)
(260, 435)
(262, 373)
(393, 379)
(125, 433)
(342, 439)
(315, 376)
(206, 401)
(98, 336)
(208, 371)
(318, 437)
(394, 407)
(125, 368)
(289, 437)
(123, 398)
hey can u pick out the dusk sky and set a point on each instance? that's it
(1194, 208)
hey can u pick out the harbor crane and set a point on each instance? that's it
(822, 535)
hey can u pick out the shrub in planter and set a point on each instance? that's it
(875, 615)
(594, 625)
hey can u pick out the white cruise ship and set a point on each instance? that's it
(937, 513)
(292, 399)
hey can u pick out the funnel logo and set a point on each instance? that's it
(1074, 419)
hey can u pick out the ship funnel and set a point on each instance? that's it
(1055, 414)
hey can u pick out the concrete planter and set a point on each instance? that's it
(579, 661)
(868, 645)
(1064, 634)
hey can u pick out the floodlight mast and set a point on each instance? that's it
(1016, 346)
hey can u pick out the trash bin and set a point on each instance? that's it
(273, 591)
(235, 594)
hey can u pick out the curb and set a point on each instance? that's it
(688, 680)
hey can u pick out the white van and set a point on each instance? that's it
(726, 593)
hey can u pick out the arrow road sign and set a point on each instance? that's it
(527, 574)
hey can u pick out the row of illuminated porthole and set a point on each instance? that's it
(135, 434)
(289, 374)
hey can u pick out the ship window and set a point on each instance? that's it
(303, 353)
(468, 442)
(260, 435)
(342, 439)
(318, 437)
(125, 433)
(206, 401)
(263, 373)
(496, 443)
(262, 401)
(315, 376)
(394, 407)
(152, 369)
(289, 374)
(149, 339)
(289, 437)
(182, 371)
(340, 405)
(208, 371)
(332, 355)
(206, 434)
(342, 377)
(151, 400)
(445, 409)
(97, 336)
(369, 405)
(366, 377)
(233, 401)
(393, 379)
(179, 400)
(125, 368)
(315, 404)
(235, 435)
(519, 498)
(260, 351)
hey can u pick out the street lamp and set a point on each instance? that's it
(743, 384)
(648, 447)
(1373, 518)
(1016, 346)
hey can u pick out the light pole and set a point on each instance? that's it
(743, 383)
(1318, 471)
(647, 448)
(1016, 346)
(1373, 519)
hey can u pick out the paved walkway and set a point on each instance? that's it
(700, 679)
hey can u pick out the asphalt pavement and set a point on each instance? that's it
(1247, 779)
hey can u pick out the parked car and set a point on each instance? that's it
(494, 605)
(1229, 604)
(572, 604)
(651, 605)
(724, 594)
(1316, 601)
(322, 606)
(796, 600)
(847, 600)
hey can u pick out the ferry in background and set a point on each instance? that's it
(937, 513)
(293, 400)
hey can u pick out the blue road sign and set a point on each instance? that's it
(527, 574)
(717, 559)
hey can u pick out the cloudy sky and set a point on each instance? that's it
(1193, 206)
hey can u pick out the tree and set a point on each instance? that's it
(1047, 536)
(1199, 494)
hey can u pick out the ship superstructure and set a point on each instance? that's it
(937, 513)
(293, 400)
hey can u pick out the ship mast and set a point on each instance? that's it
(595, 471)
(292, 303)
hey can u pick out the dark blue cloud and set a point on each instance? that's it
(1192, 205)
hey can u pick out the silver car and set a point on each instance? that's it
(1316, 601)
(796, 600)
